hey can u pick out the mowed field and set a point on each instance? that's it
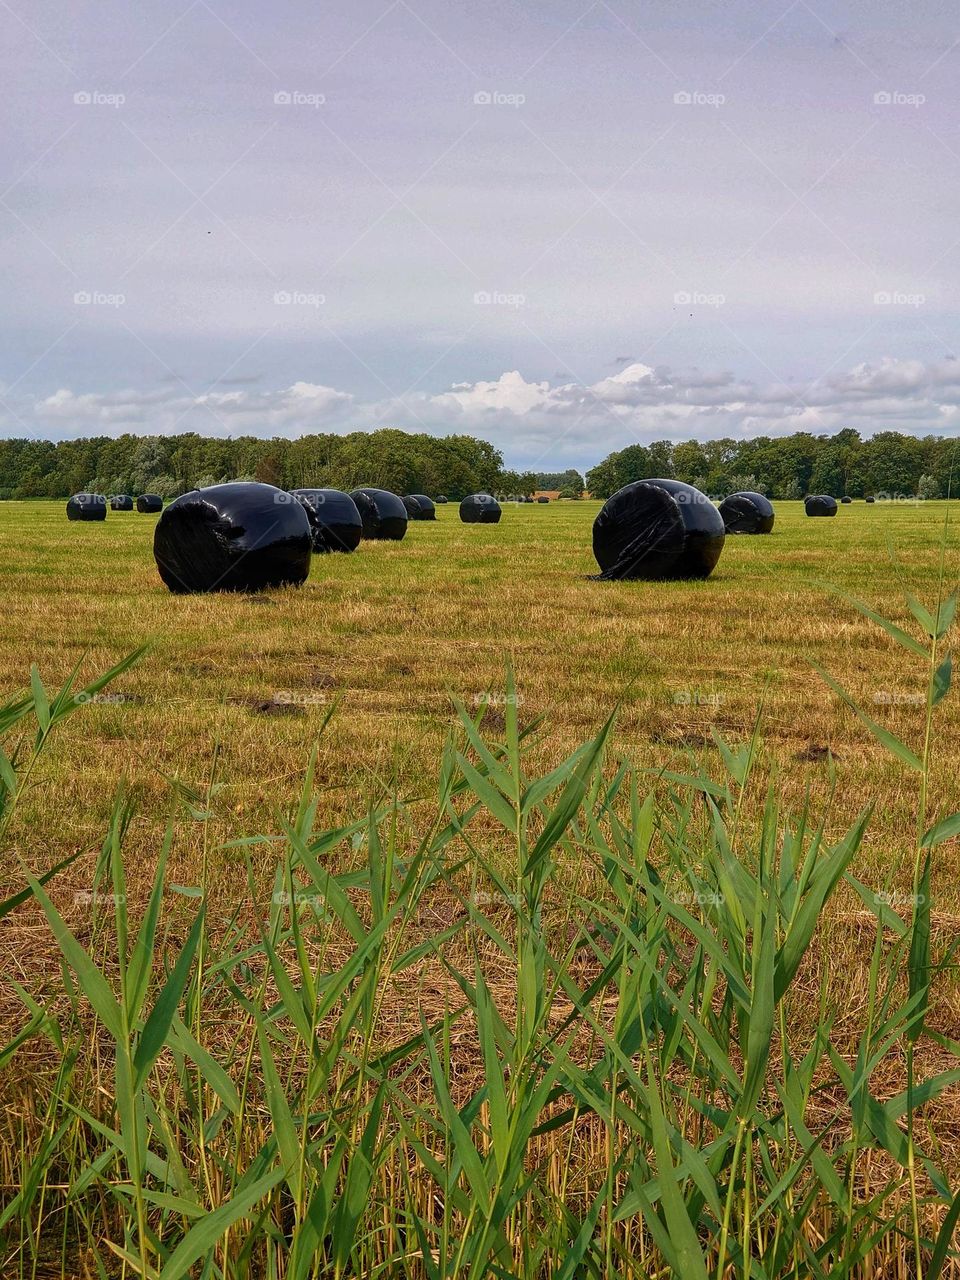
(237, 686)
(215, 725)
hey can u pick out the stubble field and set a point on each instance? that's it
(394, 632)
(227, 704)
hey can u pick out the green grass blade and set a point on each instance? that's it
(884, 736)
(155, 1030)
(202, 1238)
(92, 982)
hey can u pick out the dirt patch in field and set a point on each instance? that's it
(270, 706)
(816, 754)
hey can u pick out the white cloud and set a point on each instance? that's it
(533, 421)
(511, 393)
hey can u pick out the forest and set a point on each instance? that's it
(782, 467)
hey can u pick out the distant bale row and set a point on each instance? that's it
(247, 536)
(93, 506)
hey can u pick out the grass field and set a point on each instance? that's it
(397, 630)
(233, 691)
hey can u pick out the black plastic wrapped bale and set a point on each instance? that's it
(442, 500)
(846, 501)
(427, 509)
(542, 499)
(412, 507)
(87, 506)
(656, 529)
(480, 508)
(150, 504)
(334, 519)
(820, 504)
(121, 502)
(233, 537)
(383, 514)
(870, 499)
(746, 512)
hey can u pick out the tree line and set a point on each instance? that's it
(791, 466)
(782, 467)
(170, 465)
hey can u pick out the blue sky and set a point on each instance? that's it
(564, 227)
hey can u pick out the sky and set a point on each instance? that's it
(563, 227)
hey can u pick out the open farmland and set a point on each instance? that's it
(230, 697)
(396, 631)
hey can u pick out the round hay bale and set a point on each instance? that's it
(655, 529)
(747, 512)
(87, 506)
(442, 500)
(121, 502)
(150, 504)
(335, 523)
(845, 500)
(383, 514)
(870, 499)
(242, 536)
(412, 507)
(480, 508)
(427, 509)
(820, 504)
(543, 499)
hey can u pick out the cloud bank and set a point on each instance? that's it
(531, 421)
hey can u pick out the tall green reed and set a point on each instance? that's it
(594, 1065)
